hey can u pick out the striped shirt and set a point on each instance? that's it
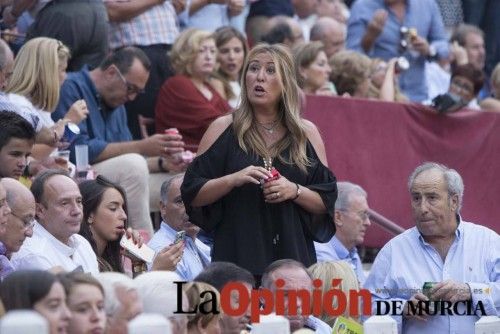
(157, 25)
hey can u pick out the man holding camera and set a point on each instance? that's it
(394, 28)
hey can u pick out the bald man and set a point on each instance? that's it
(22, 217)
(331, 33)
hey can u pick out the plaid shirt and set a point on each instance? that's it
(157, 25)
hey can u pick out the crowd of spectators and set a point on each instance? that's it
(186, 110)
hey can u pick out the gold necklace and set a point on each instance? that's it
(269, 129)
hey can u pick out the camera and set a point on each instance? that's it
(448, 102)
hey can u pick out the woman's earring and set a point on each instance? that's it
(90, 221)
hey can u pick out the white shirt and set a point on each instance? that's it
(43, 251)
(27, 108)
(236, 88)
(407, 261)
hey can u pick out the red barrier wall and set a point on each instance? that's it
(378, 144)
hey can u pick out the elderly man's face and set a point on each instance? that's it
(433, 208)
(61, 211)
(4, 210)
(334, 40)
(19, 224)
(234, 325)
(295, 279)
(353, 221)
(174, 212)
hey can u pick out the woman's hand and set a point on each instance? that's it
(251, 174)
(168, 257)
(279, 190)
(135, 235)
(77, 112)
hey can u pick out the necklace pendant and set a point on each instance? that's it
(271, 131)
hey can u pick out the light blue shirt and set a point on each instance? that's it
(334, 250)
(406, 262)
(423, 15)
(194, 258)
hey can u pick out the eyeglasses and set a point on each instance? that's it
(27, 222)
(363, 215)
(131, 88)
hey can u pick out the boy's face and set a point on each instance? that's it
(13, 157)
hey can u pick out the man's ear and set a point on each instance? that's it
(110, 72)
(338, 218)
(200, 327)
(454, 202)
(39, 210)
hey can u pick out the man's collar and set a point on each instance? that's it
(67, 250)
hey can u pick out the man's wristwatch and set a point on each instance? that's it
(160, 165)
(432, 53)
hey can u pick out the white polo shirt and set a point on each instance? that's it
(43, 251)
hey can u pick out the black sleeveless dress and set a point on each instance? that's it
(248, 231)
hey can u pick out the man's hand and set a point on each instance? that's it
(376, 25)
(235, 7)
(452, 291)
(414, 300)
(458, 54)
(168, 257)
(421, 45)
(163, 145)
(77, 112)
(172, 164)
(179, 6)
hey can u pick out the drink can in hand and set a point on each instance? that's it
(71, 131)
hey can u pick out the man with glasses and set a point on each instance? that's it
(120, 78)
(21, 220)
(351, 220)
(194, 254)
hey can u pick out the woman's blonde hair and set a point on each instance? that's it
(245, 125)
(304, 55)
(326, 271)
(194, 292)
(36, 72)
(185, 50)
(495, 77)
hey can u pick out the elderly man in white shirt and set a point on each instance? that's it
(55, 241)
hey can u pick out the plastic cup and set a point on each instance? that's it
(82, 160)
(63, 154)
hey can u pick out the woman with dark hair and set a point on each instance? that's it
(104, 223)
(232, 51)
(40, 291)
